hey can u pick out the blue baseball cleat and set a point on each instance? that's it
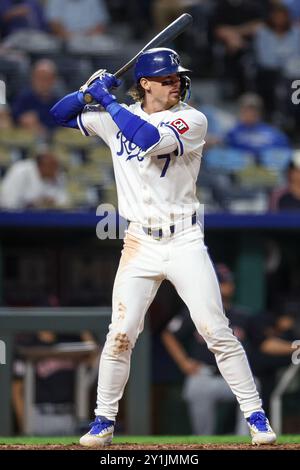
(100, 434)
(260, 429)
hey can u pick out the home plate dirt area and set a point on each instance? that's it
(156, 447)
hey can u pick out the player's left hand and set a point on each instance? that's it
(100, 89)
(110, 81)
(98, 74)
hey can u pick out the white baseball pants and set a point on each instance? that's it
(181, 258)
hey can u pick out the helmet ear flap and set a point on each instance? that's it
(185, 88)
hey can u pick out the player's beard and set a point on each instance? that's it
(173, 98)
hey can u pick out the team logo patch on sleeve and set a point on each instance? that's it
(180, 125)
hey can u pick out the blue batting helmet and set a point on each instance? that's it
(158, 62)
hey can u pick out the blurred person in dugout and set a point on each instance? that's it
(204, 387)
(53, 410)
(270, 350)
(34, 183)
(31, 106)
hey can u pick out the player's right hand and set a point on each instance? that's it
(99, 90)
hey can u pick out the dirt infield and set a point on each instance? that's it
(158, 448)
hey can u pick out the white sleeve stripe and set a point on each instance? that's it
(81, 126)
(177, 137)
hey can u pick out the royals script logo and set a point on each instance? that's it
(129, 148)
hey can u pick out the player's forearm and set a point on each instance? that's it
(59, 30)
(99, 29)
(248, 29)
(16, 12)
(66, 110)
(276, 346)
(142, 133)
(134, 128)
(174, 348)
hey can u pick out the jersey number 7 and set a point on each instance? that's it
(166, 165)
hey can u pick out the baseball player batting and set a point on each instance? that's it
(156, 146)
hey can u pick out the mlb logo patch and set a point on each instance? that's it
(180, 125)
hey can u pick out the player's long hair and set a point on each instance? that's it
(137, 92)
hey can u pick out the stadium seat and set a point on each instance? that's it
(227, 160)
(17, 137)
(276, 159)
(71, 138)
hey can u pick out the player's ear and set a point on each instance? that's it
(145, 84)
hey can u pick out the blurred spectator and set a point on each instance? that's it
(195, 39)
(34, 183)
(166, 11)
(14, 70)
(6, 121)
(220, 122)
(31, 107)
(77, 17)
(234, 24)
(251, 134)
(140, 10)
(204, 386)
(18, 15)
(276, 48)
(288, 198)
(294, 8)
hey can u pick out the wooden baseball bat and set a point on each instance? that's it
(165, 36)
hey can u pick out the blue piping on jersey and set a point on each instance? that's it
(80, 123)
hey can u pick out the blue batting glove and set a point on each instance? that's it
(110, 81)
(100, 93)
(99, 89)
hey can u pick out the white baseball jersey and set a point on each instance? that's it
(155, 187)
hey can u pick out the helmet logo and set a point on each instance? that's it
(174, 59)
